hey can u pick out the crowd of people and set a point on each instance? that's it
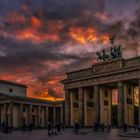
(5, 127)
(101, 127)
(27, 128)
(55, 128)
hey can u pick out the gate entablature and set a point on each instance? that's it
(105, 68)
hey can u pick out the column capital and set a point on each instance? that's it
(120, 83)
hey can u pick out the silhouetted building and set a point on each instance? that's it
(18, 110)
(88, 92)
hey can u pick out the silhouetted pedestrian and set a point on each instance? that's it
(63, 126)
(76, 127)
(49, 129)
(102, 127)
(58, 127)
(125, 127)
(108, 127)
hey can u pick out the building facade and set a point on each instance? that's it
(17, 110)
(88, 92)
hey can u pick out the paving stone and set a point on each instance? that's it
(66, 135)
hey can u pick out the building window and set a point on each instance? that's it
(10, 90)
(106, 93)
(91, 95)
(33, 109)
(90, 104)
(129, 90)
(76, 96)
(129, 101)
(106, 103)
(24, 109)
(75, 105)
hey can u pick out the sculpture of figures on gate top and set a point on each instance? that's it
(115, 52)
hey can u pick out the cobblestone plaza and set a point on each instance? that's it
(67, 134)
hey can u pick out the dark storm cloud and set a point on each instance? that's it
(43, 37)
(134, 28)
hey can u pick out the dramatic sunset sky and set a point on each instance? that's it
(41, 40)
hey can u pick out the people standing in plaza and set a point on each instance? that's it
(30, 127)
(76, 127)
(55, 129)
(3, 125)
(58, 127)
(49, 129)
(102, 127)
(95, 127)
(125, 127)
(108, 127)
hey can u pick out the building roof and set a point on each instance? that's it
(11, 96)
(13, 83)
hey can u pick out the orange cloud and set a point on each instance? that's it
(35, 88)
(83, 36)
(35, 36)
(36, 23)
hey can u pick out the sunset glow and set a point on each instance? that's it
(42, 40)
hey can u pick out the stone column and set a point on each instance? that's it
(71, 108)
(61, 108)
(21, 116)
(54, 115)
(38, 116)
(85, 107)
(139, 101)
(5, 112)
(120, 104)
(81, 106)
(11, 115)
(67, 108)
(97, 103)
(30, 114)
(46, 116)
(0, 114)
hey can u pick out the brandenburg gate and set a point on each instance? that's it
(88, 92)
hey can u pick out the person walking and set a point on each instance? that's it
(76, 127)
(49, 129)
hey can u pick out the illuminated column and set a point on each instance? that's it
(80, 106)
(97, 103)
(71, 109)
(11, 115)
(85, 107)
(120, 104)
(67, 107)
(139, 101)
